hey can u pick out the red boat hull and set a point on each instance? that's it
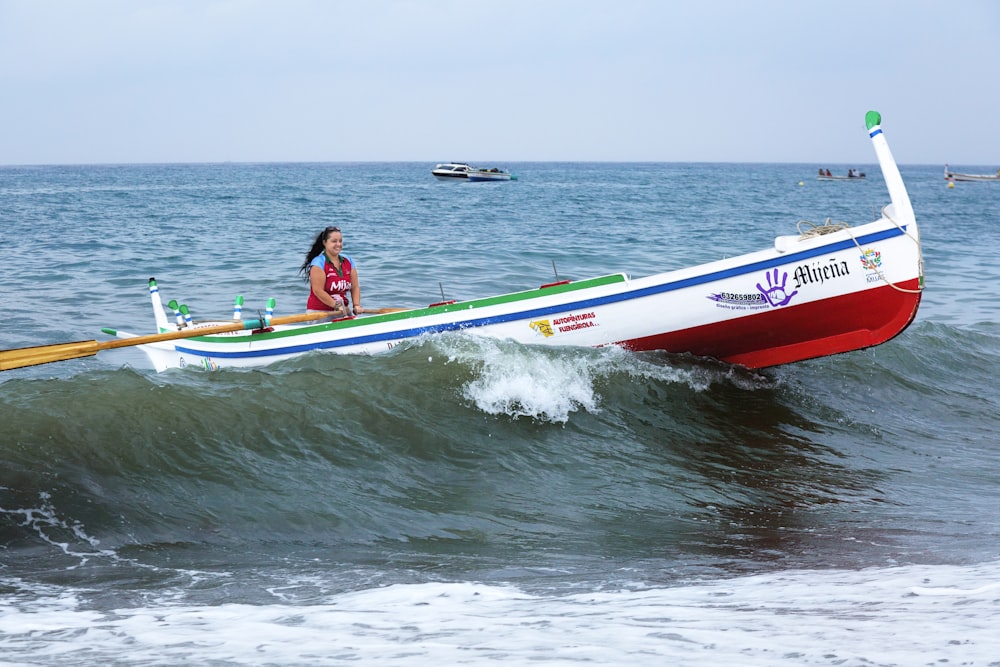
(820, 328)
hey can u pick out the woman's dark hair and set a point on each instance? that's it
(316, 250)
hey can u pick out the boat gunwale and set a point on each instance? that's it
(472, 304)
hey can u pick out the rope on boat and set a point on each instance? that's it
(814, 230)
(829, 227)
(920, 256)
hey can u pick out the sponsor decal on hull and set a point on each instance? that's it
(774, 295)
(774, 289)
(206, 363)
(565, 324)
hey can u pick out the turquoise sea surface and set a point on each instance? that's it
(469, 501)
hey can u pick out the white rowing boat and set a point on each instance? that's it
(841, 178)
(832, 289)
(950, 175)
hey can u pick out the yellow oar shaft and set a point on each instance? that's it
(44, 354)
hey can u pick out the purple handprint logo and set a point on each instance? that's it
(775, 294)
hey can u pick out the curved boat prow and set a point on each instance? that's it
(902, 209)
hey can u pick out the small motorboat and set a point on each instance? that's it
(825, 290)
(490, 175)
(452, 171)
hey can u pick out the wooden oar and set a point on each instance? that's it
(44, 354)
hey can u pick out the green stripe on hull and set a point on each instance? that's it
(459, 306)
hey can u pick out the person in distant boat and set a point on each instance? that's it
(332, 276)
(821, 172)
(828, 173)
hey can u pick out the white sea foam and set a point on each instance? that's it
(914, 615)
(543, 384)
(524, 382)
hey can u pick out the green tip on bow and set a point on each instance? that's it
(873, 118)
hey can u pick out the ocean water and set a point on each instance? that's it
(466, 501)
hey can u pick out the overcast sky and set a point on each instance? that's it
(125, 81)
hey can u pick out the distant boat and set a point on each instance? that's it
(852, 175)
(494, 174)
(452, 171)
(956, 176)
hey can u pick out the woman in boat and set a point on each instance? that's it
(331, 276)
